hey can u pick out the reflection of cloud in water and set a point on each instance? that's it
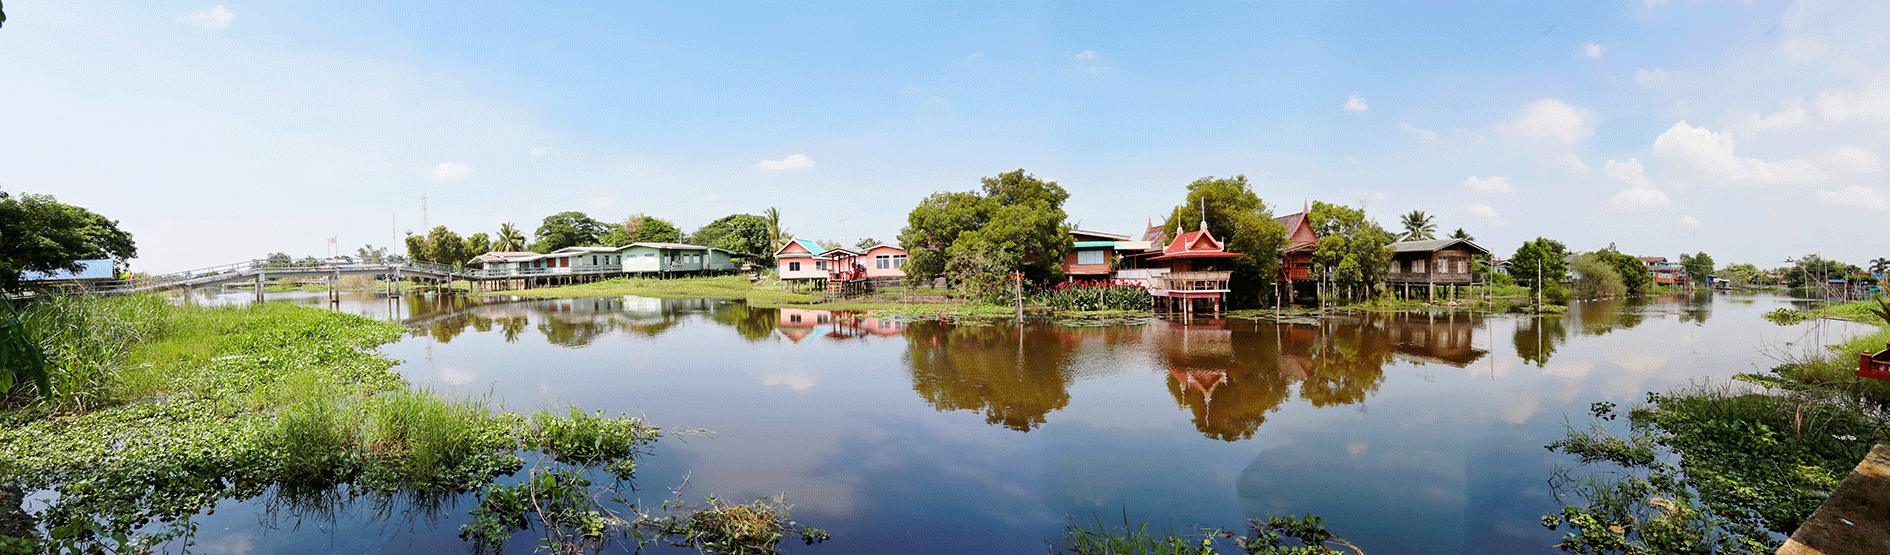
(1573, 369)
(797, 382)
(1639, 362)
(1521, 406)
(455, 376)
(237, 544)
(1357, 449)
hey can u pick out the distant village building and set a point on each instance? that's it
(1433, 262)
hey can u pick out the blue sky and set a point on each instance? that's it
(218, 132)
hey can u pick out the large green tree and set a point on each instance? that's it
(1543, 257)
(1243, 223)
(745, 233)
(1018, 220)
(1352, 249)
(1699, 267)
(39, 234)
(1812, 270)
(567, 229)
(641, 228)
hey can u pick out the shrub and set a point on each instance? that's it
(1096, 295)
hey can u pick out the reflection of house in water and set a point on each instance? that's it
(1431, 340)
(800, 323)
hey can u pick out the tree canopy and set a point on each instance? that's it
(1545, 255)
(567, 229)
(39, 234)
(1352, 249)
(1243, 223)
(1018, 220)
(1418, 226)
(1699, 267)
(744, 233)
(639, 228)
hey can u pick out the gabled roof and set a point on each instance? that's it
(583, 250)
(1099, 236)
(1434, 245)
(886, 245)
(1292, 223)
(1155, 234)
(808, 244)
(1196, 244)
(672, 246)
(837, 252)
(506, 256)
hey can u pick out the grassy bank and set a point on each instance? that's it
(1724, 466)
(157, 412)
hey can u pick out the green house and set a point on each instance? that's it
(675, 258)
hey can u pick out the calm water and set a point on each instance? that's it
(1407, 433)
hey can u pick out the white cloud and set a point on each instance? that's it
(543, 150)
(1699, 154)
(1791, 112)
(1487, 213)
(1419, 133)
(451, 170)
(602, 202)
(1569, 161)
(1638, 198)
(213, 18)
(1551, 121)
(1851, 159)
(1845, 105)
(1856, 196)
(1689, 222)
(792, 162)
(1592, 50)
(1630, 172)
(1804, 49)
(1356, 103)
(1650, 78)
(1492, 184)
(1085, 55)
(712, 197)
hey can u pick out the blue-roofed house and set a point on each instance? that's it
(799, 260)
(90, 272)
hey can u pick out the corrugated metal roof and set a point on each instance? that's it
(1094, 244)
(1433, 245)
(89, 269)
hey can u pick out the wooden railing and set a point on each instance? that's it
(1191, 281)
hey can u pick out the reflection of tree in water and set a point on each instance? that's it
(1536, 338)
(753, 324)
(1014, 377)
(1230, 379)
(1699, 307)
(1601, 316)
(512, 328)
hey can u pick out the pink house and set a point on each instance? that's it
(801, 259)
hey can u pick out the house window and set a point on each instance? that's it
(794, 318)
(882, 262)
(1417, 266)
(794, 266)
(1089, 257)
(899, 261)
(820, 264)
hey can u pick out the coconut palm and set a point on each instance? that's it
(1461, 234)
(1418, 226)
(510, 239)
(777, 236)
(1879, 265)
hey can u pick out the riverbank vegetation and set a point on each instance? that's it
(1274, 536)
(152, 413)
(1724, 466)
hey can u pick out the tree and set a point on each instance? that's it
(567, 229)
(744, 233)
(1813, 270)
(370, 252)
(641, 228)
(1699, 267)
(39, 234)
(510, 240)
(1744, 273)
(1018, 220)
(1418, 226)
(1633, 272)
(1541, 255)
(1237, 217)
(777, 235)
(1461, 234)
(442, 246)
(1595, 277)
(867, 243)
(1879, 266)
(1351, 249)
(475, 245)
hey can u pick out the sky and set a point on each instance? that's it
(217, 132)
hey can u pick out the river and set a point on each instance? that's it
(1406, 433)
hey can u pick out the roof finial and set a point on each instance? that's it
(1203, 212)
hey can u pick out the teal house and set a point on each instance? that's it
(675, 258)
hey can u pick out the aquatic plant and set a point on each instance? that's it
(1095, 295)
(1288, 535)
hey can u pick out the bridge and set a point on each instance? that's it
(391, 269)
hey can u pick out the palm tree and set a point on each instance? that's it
(1418, 226)
(1461, 234)
(1879, 265)
(510, 240)
(777, 237)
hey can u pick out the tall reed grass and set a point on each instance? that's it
(83, 342)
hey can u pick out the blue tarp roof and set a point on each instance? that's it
(91, 269)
